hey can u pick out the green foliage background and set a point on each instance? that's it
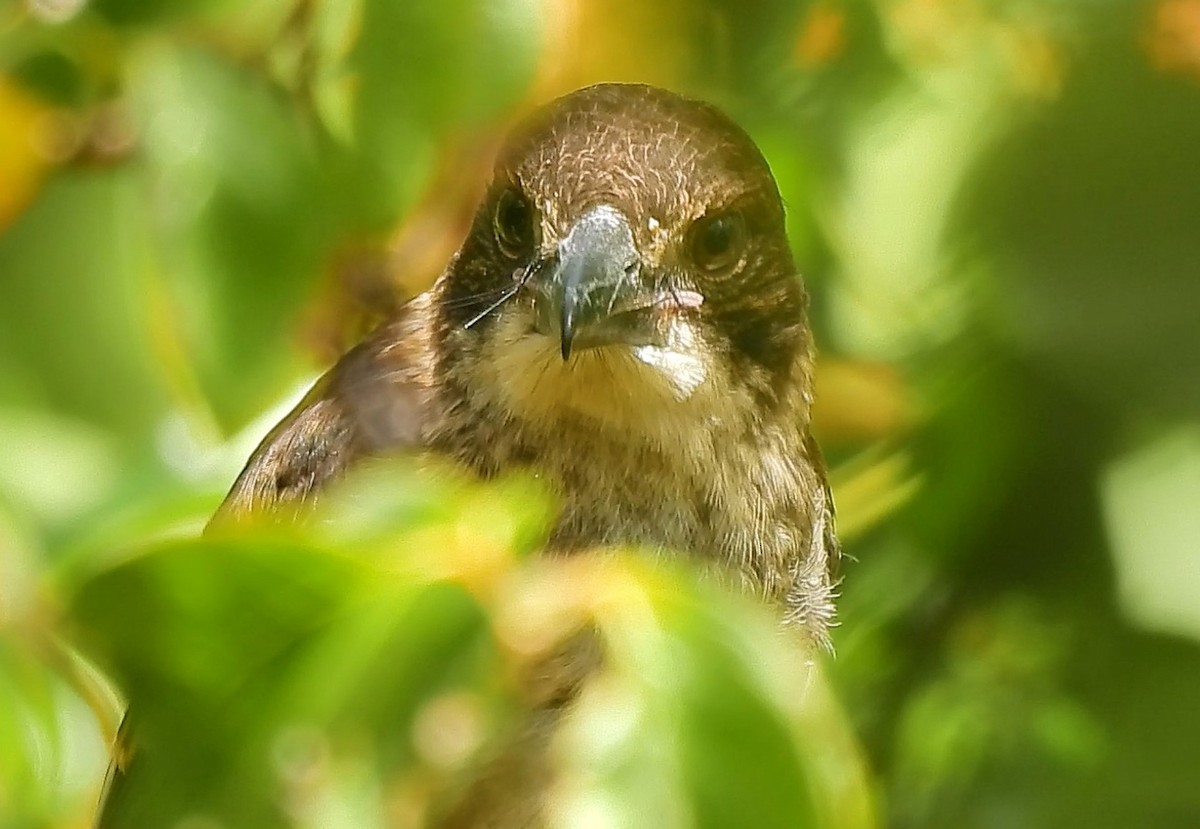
(995, 204)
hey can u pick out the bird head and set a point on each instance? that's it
(629, 265)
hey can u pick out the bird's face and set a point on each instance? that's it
(629, 265)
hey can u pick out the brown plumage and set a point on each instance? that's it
(680, 418)
(625, 320)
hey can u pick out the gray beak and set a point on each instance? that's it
(580, 296)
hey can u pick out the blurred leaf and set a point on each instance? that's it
(72, 324)
(143, 12)
(859, 402)
(51, 752)
(1150, 498)
(740, 766)
(1090, 220)
(696, 719)
(22, 166)
(234, 650)
(474, 58)
(236, 201)
(55, 468)
(53, 76)
(188, 631)
(198, 615)
(869, 488)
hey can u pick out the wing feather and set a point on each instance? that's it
(372, 402)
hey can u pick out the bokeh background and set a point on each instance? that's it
(996, 208)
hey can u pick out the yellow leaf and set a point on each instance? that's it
(22, 164)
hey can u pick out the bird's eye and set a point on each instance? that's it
(514, 223)
(717, 241)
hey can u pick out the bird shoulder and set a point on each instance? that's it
(374, 401)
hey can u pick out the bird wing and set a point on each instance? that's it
(373, 401)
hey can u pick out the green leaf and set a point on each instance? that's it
(73, 331)
(240, 221)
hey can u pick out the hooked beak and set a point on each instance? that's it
(591, 294)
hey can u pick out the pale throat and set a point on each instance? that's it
(655, 391)
(680, 361)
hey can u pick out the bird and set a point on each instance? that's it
(624, 320)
